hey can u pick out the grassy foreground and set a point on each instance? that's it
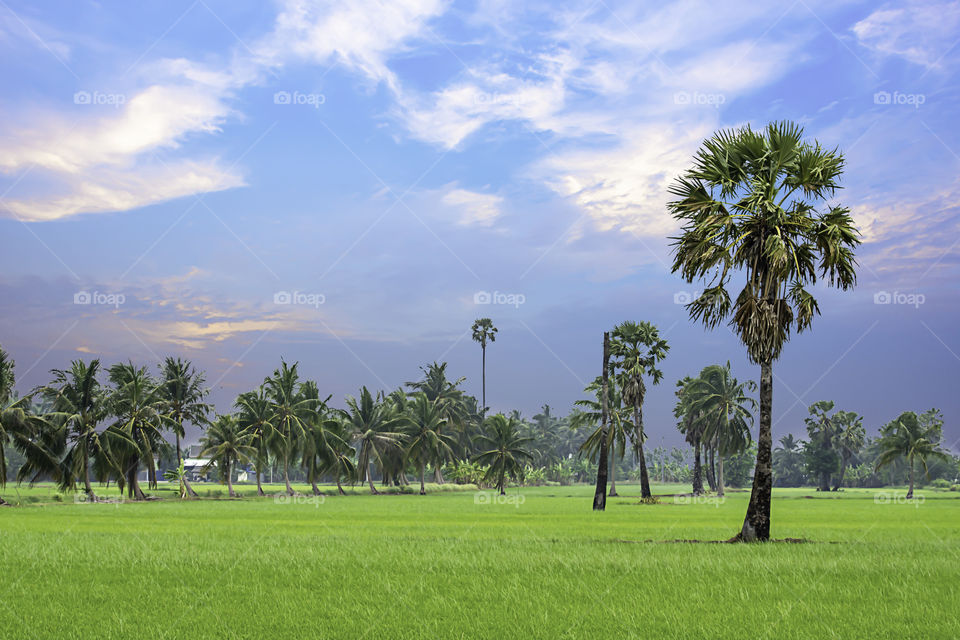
(465, 565)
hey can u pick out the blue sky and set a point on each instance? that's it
(186, 163)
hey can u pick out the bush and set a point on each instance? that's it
(940, 483)
(955, 487)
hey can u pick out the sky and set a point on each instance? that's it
(350, 185)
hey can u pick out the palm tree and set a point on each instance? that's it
(590, 414)
(254, 415)
(182, 393)
(79, 404)
(326, 450)
(484, 332)
(135, 402)
(637, 348)
(377, 428)
(18, 424)
(914, 438)
(749, 203)
(227, 445)
(721, 403)
(291, 412)
(446, 394)
(506, 452)
(821, 459)
(426, 442)
(691, 426)
(849, 440)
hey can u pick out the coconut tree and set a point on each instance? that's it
(750, 204)
(326, 449)
(912, 437)
(849, 440)
(483, 332)
(18, 424)
(290, 413)
(637, 348)
(691, 426)
(254, 415)
(227, 445)
(377, 430)
(135, 403)
(182, 392)
(589, 413)
(426, 442)
(504, 450)
(720, 402)
(451, 401)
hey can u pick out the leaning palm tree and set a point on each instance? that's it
(637, 348)
(849, 440)
(912, 437)
(749, 203)
(483, 332)
(79, 404)
(227, 445)
(505, 450)
(427, 444)
(291, 412)
(722, 405)
(377, 429)
(254, 415)
(182, 392)
(135, 402)
(326, 449)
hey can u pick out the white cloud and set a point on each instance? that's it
(480, 209)
(921, 32)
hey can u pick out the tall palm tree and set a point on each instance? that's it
(691, 426)
(377, 429)
(505, 450)
(326, 449)
(483, 332)
(721, 403)
(18, 424)
(227, 445)
(254, 414)
(589, 413)
(446, 394)
(79, 404)
(749, 203)
(637, 348)
(135, 402)
(291, 412)
(849, 440)
(912, 437)
(182, 392)
(427, 444)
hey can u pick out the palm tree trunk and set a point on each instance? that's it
(423, 489)
(437, 475)
(910, 490)
(719, 476)
(756, 524)
(230, 491)
(613, 478)
(259, 486)
(373, 489)
(186, 481)
(644, 478)
(340, 487)
(286, 473)
(697, 470)
(600, 495)
(134, 490)
(843, 472)
(501, 485)
(87, 486)
(483, 376)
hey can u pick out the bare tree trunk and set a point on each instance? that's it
(437, 475)
(230, 491)
(186, 481)
(910, 490)
(373, 489)
(697, 470)
(134, 489)
(613, 477)
(423, 489)
(600, 495)
(644, 478)
(286, 472)
(340, 487)
(719, 475)
(313, 485)
(87, 486)
(711, 477)
(259, 486)
(756, 524)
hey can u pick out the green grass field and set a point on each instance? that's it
(447, 565)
